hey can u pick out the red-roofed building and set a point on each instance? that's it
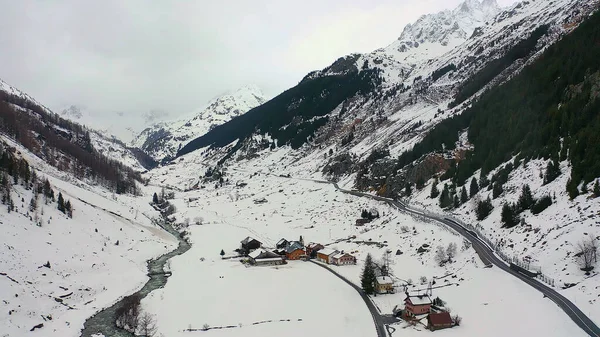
(440, 320)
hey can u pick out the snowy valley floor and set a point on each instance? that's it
(205, 289)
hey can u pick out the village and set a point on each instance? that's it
(417, 309)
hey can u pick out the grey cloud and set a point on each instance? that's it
(137, 56)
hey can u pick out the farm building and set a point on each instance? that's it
(326, 254)
(342, 259)
(384, 285)
(261, 257)
(437, 321)
(282, 244)
(294, 251)
(417, 305)
(249, 244)
(312, 249)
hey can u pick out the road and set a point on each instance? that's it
(489, 258)
(380, 320)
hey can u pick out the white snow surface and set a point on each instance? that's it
(84, 263)
(205, 289)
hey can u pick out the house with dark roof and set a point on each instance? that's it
(417, 305)
(439, 320)
(263, 257)
(294, 251)
(249, 244)
(312, 248)
(282, 244)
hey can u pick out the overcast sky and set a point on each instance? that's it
(134, 56)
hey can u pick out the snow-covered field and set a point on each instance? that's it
(299, 298)
(88, 270)
(491, 302)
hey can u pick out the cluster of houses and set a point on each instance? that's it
(292, 250)
(420, 308)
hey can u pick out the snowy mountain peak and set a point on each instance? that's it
(163, 140)
(434, 34)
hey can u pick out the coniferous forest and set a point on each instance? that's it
(550, 110)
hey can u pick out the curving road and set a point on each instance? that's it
(380, 320)
(489, 258)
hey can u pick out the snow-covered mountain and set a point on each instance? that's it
(433, 34)
(164, 139)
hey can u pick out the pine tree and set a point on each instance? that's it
(484, 208)
(69, 209)
(552, 172)
(456, 201)
(155, 198)
(367, 279)
(445, 197)
(525, 199)
(497, 190)
(61, 202)
(434, 190)
(222, 253)
(463, 195)
(509, 216)
(33, 203)
(408, 189)
(596, 190)
(474, 188)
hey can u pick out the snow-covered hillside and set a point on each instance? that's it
(296, 206)
(164, 139)
(58, 273)
(434, 34)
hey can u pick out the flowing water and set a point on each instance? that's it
(103, 322)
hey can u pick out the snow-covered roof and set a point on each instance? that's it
(419, 300)
(282, 241)
(256, 253)
(293, 246)
(312, 245)
(384, 280)
(327, 251)
(270, 259)
(248, 239)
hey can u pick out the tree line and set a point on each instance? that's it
(62, 144)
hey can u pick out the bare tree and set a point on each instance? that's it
(147, 325)
(451, 251)
(585, 256)
(440, 256)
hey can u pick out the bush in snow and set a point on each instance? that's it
(541, 204)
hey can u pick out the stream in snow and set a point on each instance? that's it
(103, 322)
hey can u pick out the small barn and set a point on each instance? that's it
(249, 244)
(440, 320)
(362, 222)
(417, 305)
(384, 285)
(342, 259)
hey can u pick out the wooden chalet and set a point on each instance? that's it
(294, 251)
(326, 254)
(342, 259)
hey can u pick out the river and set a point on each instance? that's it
(103, 322)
